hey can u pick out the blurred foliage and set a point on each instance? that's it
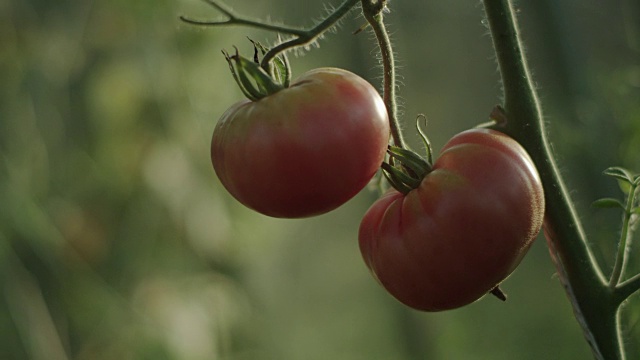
(118, 242)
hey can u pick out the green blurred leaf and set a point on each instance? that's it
(620, 174)
(608, 203)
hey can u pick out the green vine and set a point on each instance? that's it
(373, 11)
(595, 300)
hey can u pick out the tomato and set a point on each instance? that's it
(304, 150)
(463, 230)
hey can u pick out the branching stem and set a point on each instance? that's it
(627, 288)
(311, 35)
(234, 19)
(301, 37)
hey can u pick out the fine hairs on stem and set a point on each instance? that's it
(596, 305)
(373, 11)
(301, 37)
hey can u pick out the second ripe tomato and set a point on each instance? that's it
(463, 230)
(303, 150)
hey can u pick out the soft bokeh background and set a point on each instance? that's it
(118, 242)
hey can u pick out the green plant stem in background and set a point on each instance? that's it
(310, 35)
(625, 240)
(585, 284)
(627, 288)
(373, 12)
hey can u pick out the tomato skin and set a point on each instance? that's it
(463, 231)
(304, 150)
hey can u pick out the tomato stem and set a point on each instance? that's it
(625, 239)
(234, 19)
(311, 35)
(300, 36)
(593, 301)
(373, 12)
(627, 288)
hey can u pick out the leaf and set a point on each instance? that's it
(620, 174)
(608, 203)
(636, 210)
(625, 187)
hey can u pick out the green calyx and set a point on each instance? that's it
(406, 169)
(254, 81)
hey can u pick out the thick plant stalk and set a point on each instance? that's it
(584, 282)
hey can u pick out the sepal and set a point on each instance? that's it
(254, 82)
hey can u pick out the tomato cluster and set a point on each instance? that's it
(451, 232)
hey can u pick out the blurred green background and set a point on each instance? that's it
(117, 241)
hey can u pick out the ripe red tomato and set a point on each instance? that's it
(463, 230)
(304, 150)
